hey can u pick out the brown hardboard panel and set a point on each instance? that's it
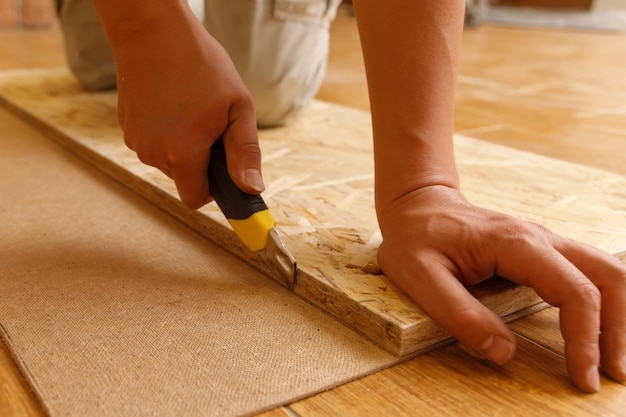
(111, 307)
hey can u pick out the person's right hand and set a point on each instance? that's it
(178, 93)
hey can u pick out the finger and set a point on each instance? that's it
(448, 302)
(146, 153)
(561, 284)
(190, 175)
(243, 153)
(609, 275)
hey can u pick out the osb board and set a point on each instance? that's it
(319, 173)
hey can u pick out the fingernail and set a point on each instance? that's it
(593, 379)
(253, 178)
(497, 349)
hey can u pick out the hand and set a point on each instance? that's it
(451, 243)
(178, 93)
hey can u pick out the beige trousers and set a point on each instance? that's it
(279, 47)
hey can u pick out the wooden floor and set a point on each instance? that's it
(561, 94)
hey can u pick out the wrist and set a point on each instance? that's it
(404, 167)
(419, 203)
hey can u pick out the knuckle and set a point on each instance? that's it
(466, 319)
(526, 233)
(171, 159)
(621, 274)
(245, 100)
(250, 149)
(175, 156)
(588, 294)
(618, 283)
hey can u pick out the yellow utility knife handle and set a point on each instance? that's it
(254, 230)
(247, 213)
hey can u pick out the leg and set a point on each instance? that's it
(279, 47)
(89, 55)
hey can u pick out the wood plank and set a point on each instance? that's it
(518, 87)
(278, 412)
(449, 382)
(38, 13)
(326, 211)
(8, 14)
(16, 398)
(545, 4)
(553, 92)
(444, 383)
(17, 46)
(543, 327)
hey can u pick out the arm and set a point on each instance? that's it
(178, 91)
(434, 241)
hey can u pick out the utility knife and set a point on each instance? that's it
(250, 219)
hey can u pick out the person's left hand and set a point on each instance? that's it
(435, 242)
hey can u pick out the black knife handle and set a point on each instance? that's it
(234, 203)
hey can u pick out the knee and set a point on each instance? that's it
(93, 76)
(87, 49)
(276, 105)
(278, 99)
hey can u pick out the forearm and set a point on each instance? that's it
(138, 29)
(178, 92)
(127, 21)
(411, 50)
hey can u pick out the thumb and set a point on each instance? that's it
(243, 154)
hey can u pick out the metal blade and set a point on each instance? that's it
(279, 260)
